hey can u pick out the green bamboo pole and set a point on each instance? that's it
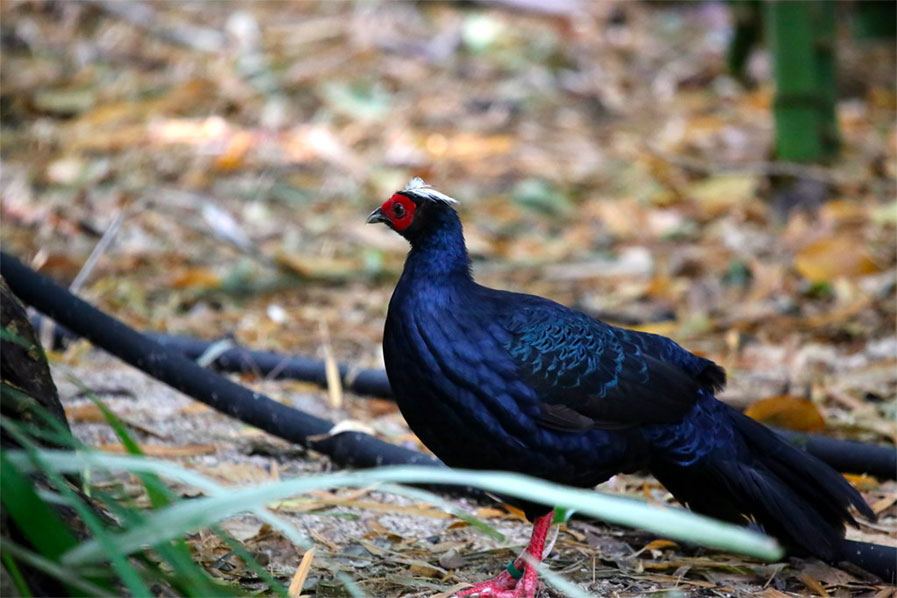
(825, 28)
(801, 36)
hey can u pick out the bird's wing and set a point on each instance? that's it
(589, 374)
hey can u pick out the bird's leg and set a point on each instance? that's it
(506, 585)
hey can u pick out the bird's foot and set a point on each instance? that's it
(502, 586)
(500, 583)
(522, 584)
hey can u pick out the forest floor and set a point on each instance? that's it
(602, 157)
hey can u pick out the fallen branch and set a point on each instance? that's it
(204, 385)
(843, 455)
(847, 456)
(360, 381)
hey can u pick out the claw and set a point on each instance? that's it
(498, 587)
(490, 588)
(504, 585)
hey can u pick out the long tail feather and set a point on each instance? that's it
(790, 493)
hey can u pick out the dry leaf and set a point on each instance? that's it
(833, 257)
(879, 506)
(489, 512)
(514, 511)
(203, 278)
(319, 537)
(234, 153)
(86, 413)
(242, 529)
(468, 146)
(718, 195)
(789, 412)
(660, 545)
(861, 481)
(426, 570)
(376, 527)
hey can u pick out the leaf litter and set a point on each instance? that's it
(602, 157)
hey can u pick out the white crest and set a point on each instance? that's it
(418, 188)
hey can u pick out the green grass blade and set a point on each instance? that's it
(40, 524)
(17, 578)
(158, 492)
(187, 577)
(8, 335)
(103, 540)
(667, 522)
(63, 574)
(253, 565)
(193, 580)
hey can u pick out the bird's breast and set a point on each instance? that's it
(460, 392)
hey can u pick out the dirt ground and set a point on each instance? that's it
(395, 546)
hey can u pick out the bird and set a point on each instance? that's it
(496, 380)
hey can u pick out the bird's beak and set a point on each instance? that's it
(376, 216)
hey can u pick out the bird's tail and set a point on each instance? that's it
(791, 494)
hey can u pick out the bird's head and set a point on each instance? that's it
(414, 211)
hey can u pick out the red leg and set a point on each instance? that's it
(504, 585)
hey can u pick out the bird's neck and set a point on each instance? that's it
(439, 253)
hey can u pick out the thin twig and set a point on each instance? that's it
(98, 250)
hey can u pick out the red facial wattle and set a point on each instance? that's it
(399, 210)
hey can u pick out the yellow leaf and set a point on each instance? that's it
(863, 482)
(197, 278)
(660, 545)
(489, 512)
(468, 146)
(792, 413)
(234, 155)
(515, 511)
(834, 257)
(761, 99)
(717, 195)
(425, 570)
(813, 584)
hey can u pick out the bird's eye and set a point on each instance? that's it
(398, 210)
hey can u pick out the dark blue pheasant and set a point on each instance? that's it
(490, 379)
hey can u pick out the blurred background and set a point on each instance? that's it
(605, 154)
(637, 160)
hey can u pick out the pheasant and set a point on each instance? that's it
(496, 380)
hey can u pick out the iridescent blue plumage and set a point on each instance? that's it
(490, 379)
